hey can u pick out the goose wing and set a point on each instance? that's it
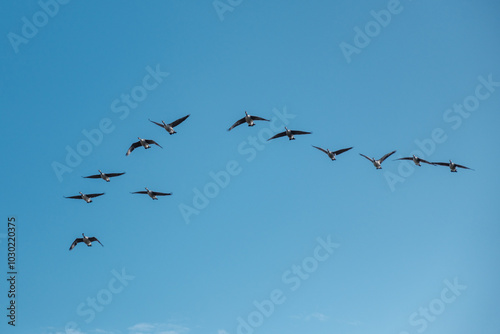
(133, 147)
(151, 141)
(366, 157)
(425, 161)
(156, 193)
(238, 122)
(342, 150)
(386, 156)
(447, 164)
(462, 166)
(297, 132)
(281, 134)
(319, 148)
(75, 197)
(407, 158)
(77, 240)
(115, 174)
(159, 124)
(179, 121)
(97, 176)
(257, 118)
(92, 239)
(139, 192)
(94, 195)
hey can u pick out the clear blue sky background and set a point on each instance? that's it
(397, 246)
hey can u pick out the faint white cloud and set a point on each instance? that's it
(157, 328)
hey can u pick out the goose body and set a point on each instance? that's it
(170, 127)
(453, 166)
(86, 197)
(151, 193)
(289, 133)
(87, 240)
(142, 142)
(416, 160)
(249, 119)
(332, 155)
(104, 176)
(378, 163)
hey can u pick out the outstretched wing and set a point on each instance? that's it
(94, 195)
(75, 197)
(161, 194)
(441, 164)
(139, 192)
(281, 134)
(427, 162)
(342, 151)
(179, 121)
(151, 141)
(319, 148)
(115, 174)
(408, 158)
(462, 166)
(159, 124)
(77, 240)
(238, 122)
(297, 132)
(133, 147)
(257, 118)
(92, 239)
(97, 176)
(366, 157)
(386, 156)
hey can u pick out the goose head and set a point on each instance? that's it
(83, 235)
(146, 188)
(163, 122)
(100, 171)
(81, 193)
(246, 113)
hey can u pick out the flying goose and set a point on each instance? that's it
(170, 127)
(453, 166)
(151, 193)
(142, 142)
(289, 133)
(103, 176)
(249, 119)
(416, 160)
(331, 154)
(378, 163)
(85, 197)
(87, 240)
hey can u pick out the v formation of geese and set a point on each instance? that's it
(250, 120)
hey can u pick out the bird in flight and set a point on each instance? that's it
(453, 166)
(170, 127)
(142, 142)
(290, 134)
(249, 119)
(86, 197)
(378, 163)
(151, 193)
(416, 160)
(332, 155)
(87, 240)
(104, 176)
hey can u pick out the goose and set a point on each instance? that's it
(249, 119)
(103, 176)
(170, 127)
(151, 193)
(290, 134)
(142, 142)
(378, 163)
(86, 197)
(87, 240)
(453, 166)
(416, 160)
(333, 154)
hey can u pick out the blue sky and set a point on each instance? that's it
(287, 241)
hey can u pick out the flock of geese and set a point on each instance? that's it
(250, 120)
